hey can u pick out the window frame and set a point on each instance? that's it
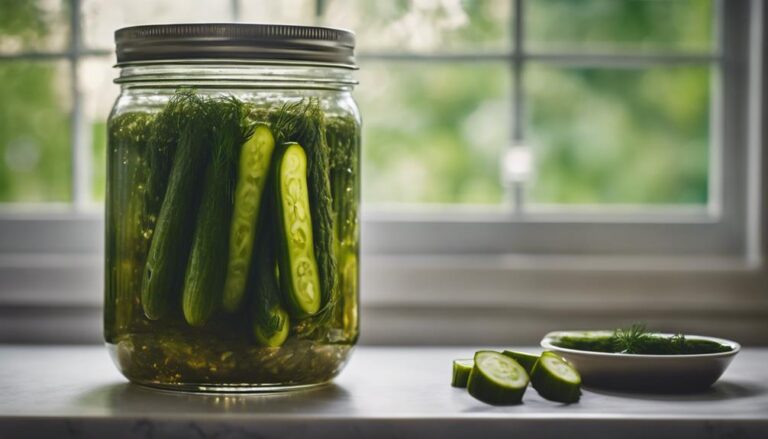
(53, 255)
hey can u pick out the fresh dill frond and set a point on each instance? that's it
(630, 340)
(678, 342)
(228, 134)
(161, 148)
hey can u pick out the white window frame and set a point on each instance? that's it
(419, 266)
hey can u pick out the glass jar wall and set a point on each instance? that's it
(232, 229)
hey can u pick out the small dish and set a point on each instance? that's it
(645, 373)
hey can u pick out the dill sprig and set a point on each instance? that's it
(343, 138)
(630, 340)
(161, 147)
(228, 133)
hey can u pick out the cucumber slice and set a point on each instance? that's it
(526, 360)
(497, 379)
(556, 379)
(461, 370)
(299, 276)
(255, 158)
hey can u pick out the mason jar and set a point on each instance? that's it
(232, 200)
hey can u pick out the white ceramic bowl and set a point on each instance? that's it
(649, 373)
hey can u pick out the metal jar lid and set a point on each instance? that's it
(235, 41)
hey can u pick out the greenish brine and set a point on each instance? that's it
(193, 189)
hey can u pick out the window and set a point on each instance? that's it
(479, 77)
(552, 127)
(504, 135)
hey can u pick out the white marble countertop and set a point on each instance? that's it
(384, 392)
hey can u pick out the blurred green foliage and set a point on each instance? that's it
(434, 131)
(599, 136)
(619, 136)
(423, 26)
(619, 24)
(34, 124)
(24, 19)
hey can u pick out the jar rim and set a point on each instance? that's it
(214, 73)
(273, 43)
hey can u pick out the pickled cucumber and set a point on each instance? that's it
(255, 158)
(299, 277)
(207, 266)
(304, 122)
(167, 257)
(271, 322)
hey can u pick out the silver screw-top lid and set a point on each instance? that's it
(235, 41)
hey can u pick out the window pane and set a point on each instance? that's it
(433, 132)
(101, 18)
(619, 136)
(619, 24)
(284, 11)
(35, 158)
(423, 25)
(33, 25)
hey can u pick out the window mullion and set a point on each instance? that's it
(516, 189)
(234, 10)
(319, 11)
(517, 72)
(755, 222)
(79, 135)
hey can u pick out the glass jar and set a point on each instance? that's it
(232, 227)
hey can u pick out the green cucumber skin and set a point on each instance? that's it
(528, 361)
(552, 388)
(461, 372)
(207, 266)
(286, 264)
(483, 389)
(163, 142)
(480, 388)
(270, 321)
(255, 159)
(171, 238)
